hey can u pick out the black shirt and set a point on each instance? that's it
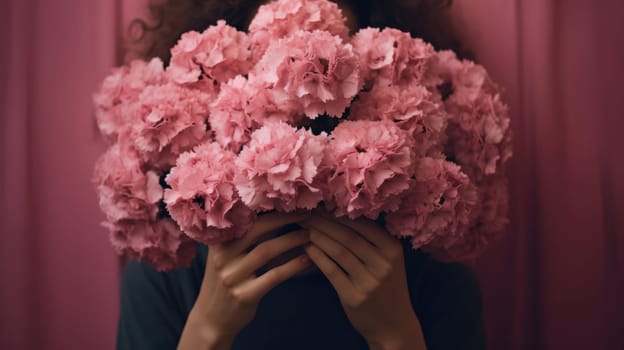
(301, 313)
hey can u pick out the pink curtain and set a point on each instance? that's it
(59, 276)
(557, 280)
(554, 282)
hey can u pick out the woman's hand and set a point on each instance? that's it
(366, 267)
(231, 291)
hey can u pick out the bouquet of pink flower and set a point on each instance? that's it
(293, 115)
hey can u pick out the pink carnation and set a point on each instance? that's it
(126, 191)
(229, 118)
(314, 69)
(203, 199)
(413, 108)
(491, 221)
(160, 243)
(117, 96)
(281, 18)
(271, 105)
(390, 56)
(281, 168)
(479, 133)
(438, 207)
(243, 107)
(372, 162)
(214, 56)
(130, 197)
(170, 120)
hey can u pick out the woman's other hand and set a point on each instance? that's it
(366, 267)
(230, 291)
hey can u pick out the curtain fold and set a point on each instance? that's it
(553, 281)
(15, 295)
(60, 276)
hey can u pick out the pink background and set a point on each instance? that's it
(554, 282)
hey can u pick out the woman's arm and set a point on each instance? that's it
(230, 290)
(155, 305)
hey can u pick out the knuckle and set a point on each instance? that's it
(255, 230)
(289, 240)
(264, 251)
(269, 249)
(341, 254)
(239, 298)
(357, 300)
(313, 253)
(385, 270)
(274, 276)
(218, 261)
(227, 280)
(332, 272)
(351, 240)
(395, 254)
(302, 236)
(374, 285)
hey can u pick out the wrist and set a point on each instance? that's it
(201, 334)
(216, 340)
(391, 342)
(408, 336)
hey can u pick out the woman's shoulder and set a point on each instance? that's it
(138, 271)
(154, 305)
(143, 280)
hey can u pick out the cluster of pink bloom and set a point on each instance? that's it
(297, 114)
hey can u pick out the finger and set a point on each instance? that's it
(261, 255)
(330, 226)
(352, 240)
(334, 274)
(344, 257)
(256, 288)
(367, 228)
(265, 224)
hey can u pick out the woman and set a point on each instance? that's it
(301, 280)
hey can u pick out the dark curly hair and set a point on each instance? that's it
(155, 36)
